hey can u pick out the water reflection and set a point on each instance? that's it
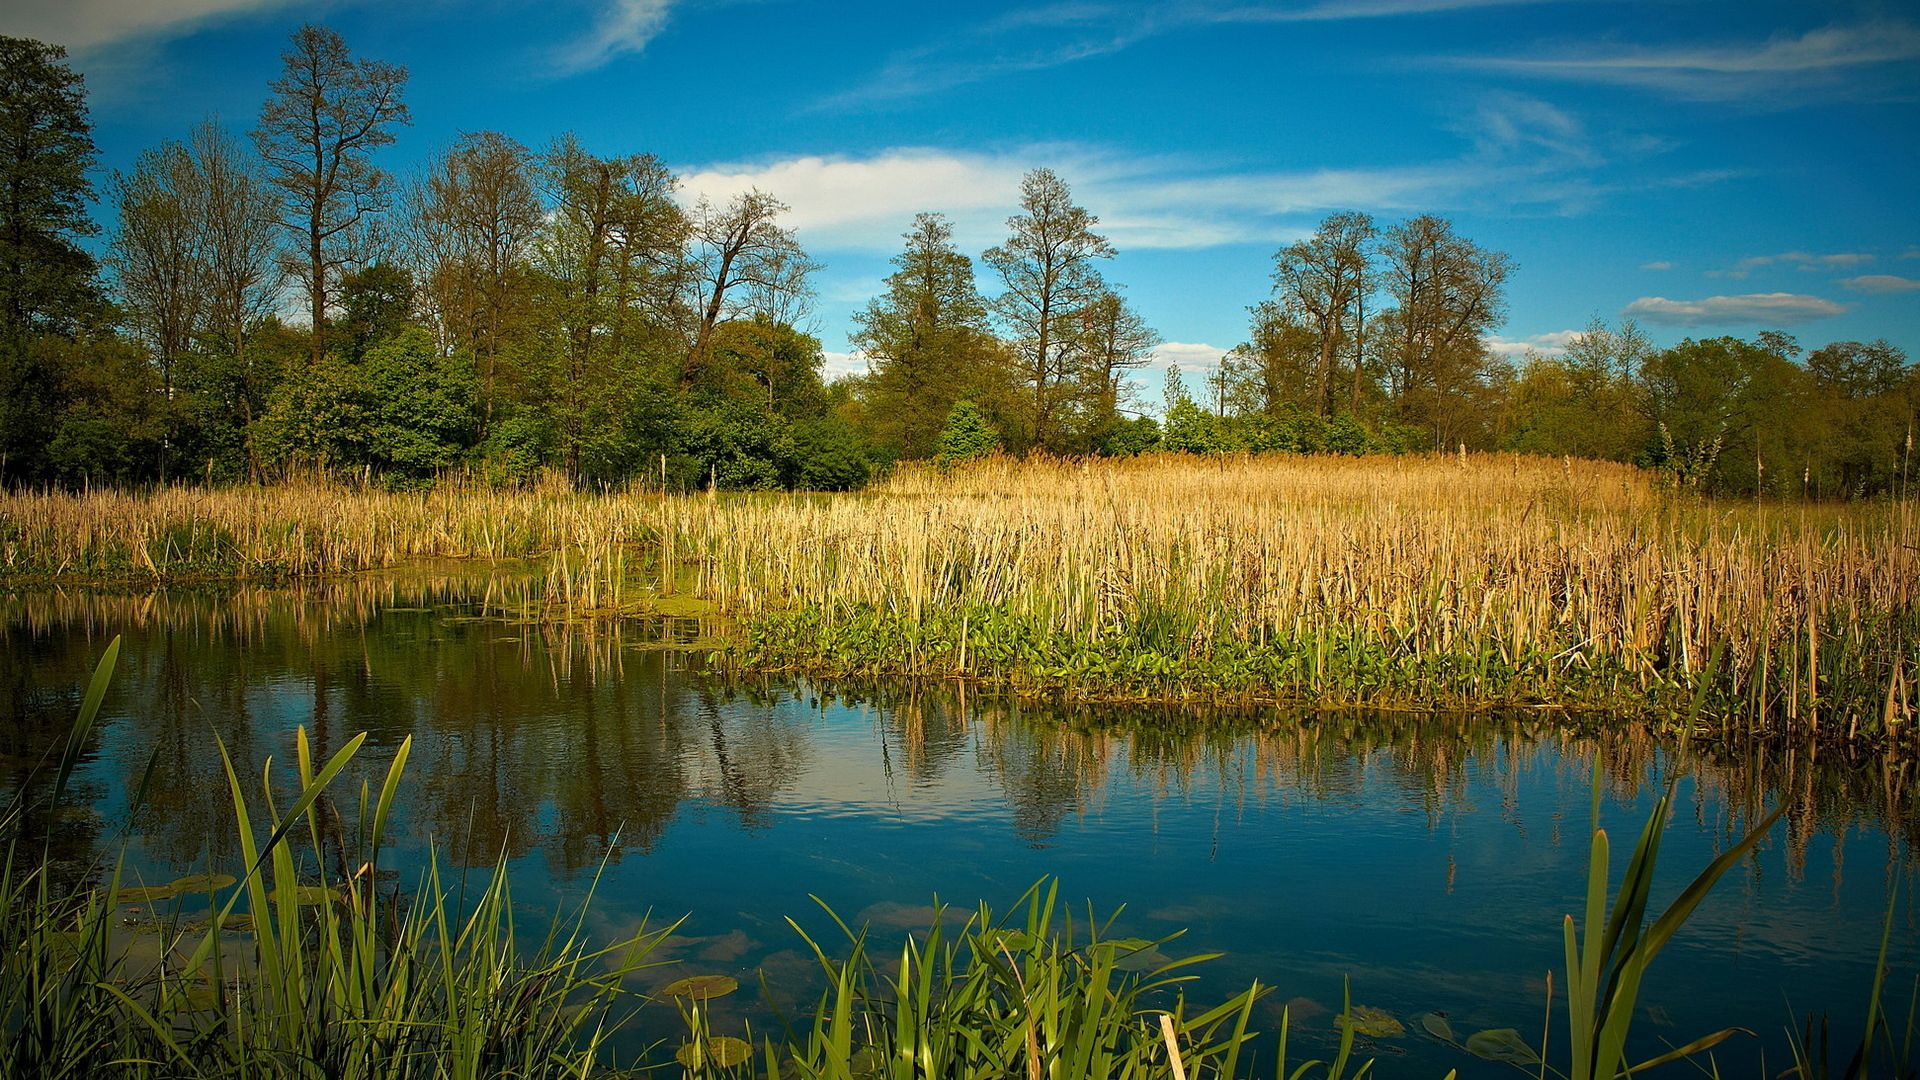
(1427, 857)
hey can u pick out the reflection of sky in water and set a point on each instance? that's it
(1428, 862)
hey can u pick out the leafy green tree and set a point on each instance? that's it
(1867, 397)
(316, 418)
(48, 282)
(829, 454)
(768, 363)
(113, 419)
(1114, 342)
(420, 407)
(966, 436)
(926, 341)
(1729, 416)
(1130, 436)
(376, 304)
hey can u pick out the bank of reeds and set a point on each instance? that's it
(1445, 580)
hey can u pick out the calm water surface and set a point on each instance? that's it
(1426, 860)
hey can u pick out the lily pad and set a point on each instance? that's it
(306, 894)
(201, 998)
(1370, 1022)
(201, 883)
(1435, 1024)
(1502, 1044)
(703, 987)
(147, 894)
(721, 1051)
(1143, 960)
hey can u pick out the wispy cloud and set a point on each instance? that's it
(1772, 309)
(1552, 343)
(1781, 70)
(1520, 156)
(1881, 283)
(88, 24)
(620, 28)
(1658, 264)
(1053, 35)
(838, 365)
(1803, 260)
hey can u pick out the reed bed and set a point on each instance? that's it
(1470, 580)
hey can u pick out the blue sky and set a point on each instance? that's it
(1703, 167)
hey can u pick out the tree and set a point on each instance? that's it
(925, 340)
(744, 264)
(327, 114)
(156, 254)
(48, 284)
(419, 406)
(237, 213)
(1587, 402)
(1047, 266)
(611, 260)
(1730, 417)
(1114, 340)
(376, 304)
(1449, 293)
(1274, 370)
(475, 217)
(1320, 280)
(1868, 398)
(967, 436)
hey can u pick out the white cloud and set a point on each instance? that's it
(1779, 70)
(1196, 360)
(838, 364)
(1777, 309)
(623, 26)
(863, 203)
(1881, 283)
(1552, 343)
(1659, 264)
(1803, 260)
(85, 24)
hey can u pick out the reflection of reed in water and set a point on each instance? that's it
(556, 738)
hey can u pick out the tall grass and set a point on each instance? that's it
(1399, 581)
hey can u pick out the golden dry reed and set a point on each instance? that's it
(1405, 580)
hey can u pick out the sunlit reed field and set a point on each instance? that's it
(1388, 581)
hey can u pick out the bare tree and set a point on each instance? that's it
(743, 263)
(156, 253)
(327, 114)
(1047, 265)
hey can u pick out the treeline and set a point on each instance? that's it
(510, 312)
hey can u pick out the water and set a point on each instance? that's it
(1424, 861)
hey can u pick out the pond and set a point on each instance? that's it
(1425, 861)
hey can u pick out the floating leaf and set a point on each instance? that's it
(201, 998)
(1143, 960)
(1129, 944)
(306, 894)
(1370, 1022)
(868, 1061)
(146, 894)
(721, 1051)
(1436, 1025)
(237, 924)
(1502, 1044)
(704, 987)
(201, 883)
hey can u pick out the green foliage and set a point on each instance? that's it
(516, 448)
(1130, 436)
(829, 454)
(316, 418)
(421, 407)
(967, 436)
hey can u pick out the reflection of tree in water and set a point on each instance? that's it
(558, 739)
